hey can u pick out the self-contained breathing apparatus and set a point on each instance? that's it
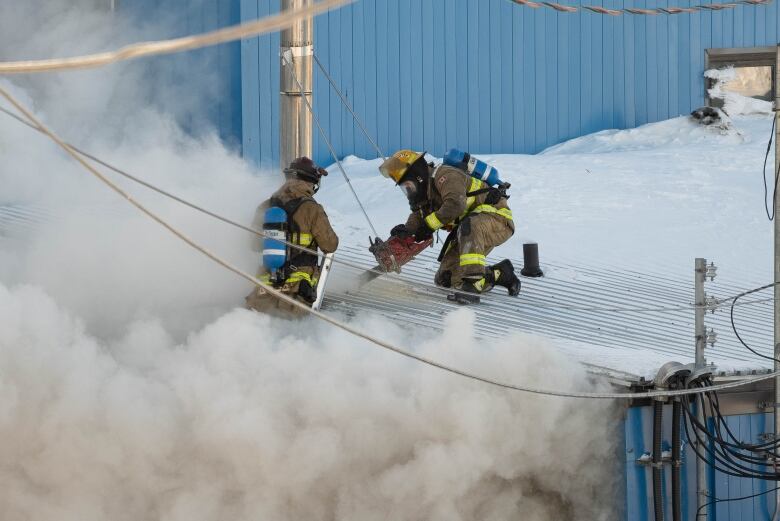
(496, 188)
(281, 260)
(473, 167)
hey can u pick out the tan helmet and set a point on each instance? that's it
(396, 165)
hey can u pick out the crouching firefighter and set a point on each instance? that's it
(476, 215)
(292, 215)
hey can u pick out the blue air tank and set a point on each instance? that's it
(275, 229)
(473, 166)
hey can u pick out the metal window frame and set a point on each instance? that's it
(738, 57)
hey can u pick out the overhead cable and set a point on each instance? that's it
(349, 107)
(771, 215)
(291, 69)
(734, 327)
(346, 327)
(152, 48)
(561, 8)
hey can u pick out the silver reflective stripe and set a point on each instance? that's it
(487, 173)
(472, 163)
(275, 252)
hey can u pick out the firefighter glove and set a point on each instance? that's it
(401, 231)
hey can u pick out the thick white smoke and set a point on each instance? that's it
(132, 388)
(253, 419)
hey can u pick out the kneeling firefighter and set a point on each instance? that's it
(476, 215)
(292, 214)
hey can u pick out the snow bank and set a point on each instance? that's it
(654, 197)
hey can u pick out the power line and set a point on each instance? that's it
(329, 144)
(186, 43)
(349, 107)
(717, 500)
(770, 216)
(561, 8)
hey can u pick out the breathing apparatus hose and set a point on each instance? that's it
(676, 460)
(658, 500)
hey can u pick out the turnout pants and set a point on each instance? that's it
(262, 301)
(465, 257)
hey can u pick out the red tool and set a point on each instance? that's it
(392, 254)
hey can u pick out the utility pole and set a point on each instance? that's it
(701, 340)
(295, 122)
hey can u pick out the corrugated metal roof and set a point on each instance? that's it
(595, 313)
(591, 311)
(17, 218)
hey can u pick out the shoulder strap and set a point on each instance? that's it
(292, 205)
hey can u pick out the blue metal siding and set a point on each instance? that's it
(225, 110)
(491, 76)
(639, 487)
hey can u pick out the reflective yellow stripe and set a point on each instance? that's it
(303, 239)
(470, 259)
(298, 276)
(433, 222)
(486, 208)
(476, 184)
(265, 278)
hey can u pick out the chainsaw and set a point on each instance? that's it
(392, 254)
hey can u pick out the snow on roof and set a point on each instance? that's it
(620, 217)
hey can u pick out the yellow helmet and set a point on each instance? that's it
(396, 165)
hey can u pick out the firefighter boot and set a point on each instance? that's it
(504, 275)
(469, 291)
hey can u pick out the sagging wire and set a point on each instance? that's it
(727, 454)
(291, 69)
(346, 327)
(777, 174)
(349, 107)
(734, 326)
(670, 10)
(186, 43)
(261, 234)
(727, 500)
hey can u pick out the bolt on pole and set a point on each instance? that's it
(295, 122)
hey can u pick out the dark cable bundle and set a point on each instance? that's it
(727, 454)
(718, 447)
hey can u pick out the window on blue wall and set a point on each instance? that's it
(746, 71)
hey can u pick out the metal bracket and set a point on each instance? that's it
(768, 436)
(711, 337)
(768, 405)
(711, 271)
(646, 459)
(711, 303)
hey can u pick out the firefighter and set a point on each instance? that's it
(308, 226)
(476, 215)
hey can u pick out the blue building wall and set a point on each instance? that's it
(638, 478)
(214, 71)
(492, 76)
